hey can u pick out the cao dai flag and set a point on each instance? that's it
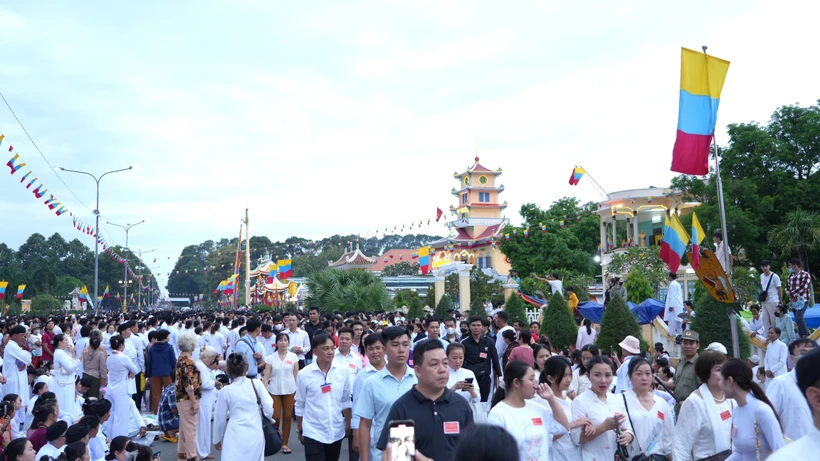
(674, 243)
(701, 82)
(3, 286)
(697, 237)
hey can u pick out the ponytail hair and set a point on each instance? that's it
(740, 372)
(94, 343)
(588, 324)
(116, 342)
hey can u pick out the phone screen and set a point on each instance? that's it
(157, 455)
(403, 440)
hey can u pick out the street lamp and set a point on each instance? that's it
(127, 228)
(97, 226)
(139, 295)
(124, 284)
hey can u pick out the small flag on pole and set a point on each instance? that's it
(577, 174)
(697, 237)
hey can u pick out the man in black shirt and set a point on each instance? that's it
(479, 356)
(311, 327)
(440, 415)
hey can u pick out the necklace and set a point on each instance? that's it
(720, 400)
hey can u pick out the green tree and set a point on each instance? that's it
(415, 310)
(645, 260)
(401, 268)
(558, 323)
(712, 325)
(515, 309)
(342, 291)
(618, 323)
(477, 308)
(45, 304)
(798, 234)
(746, 284)
(638, 288)
(444, 304)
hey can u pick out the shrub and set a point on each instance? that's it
(618, 323)
(478, 308)
(516, 310)
(712, 323)
(414, 310)
(444, 305)
(638, 287)
(45, 304)
(558, 323)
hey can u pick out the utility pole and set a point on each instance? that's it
(247, 261)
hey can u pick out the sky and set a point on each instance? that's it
(345, 117)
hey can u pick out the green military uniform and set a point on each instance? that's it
(686, 381)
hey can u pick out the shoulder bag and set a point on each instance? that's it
(273, 440)
(642, 456)
(765, 294)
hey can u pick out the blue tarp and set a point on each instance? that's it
(812, 316)
(645, 312)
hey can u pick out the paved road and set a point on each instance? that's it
(169, 451)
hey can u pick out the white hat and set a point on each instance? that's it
(631, 345)
(755, 359)
(717, 347)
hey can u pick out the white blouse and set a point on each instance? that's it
(694, 438)
(119, 365)
(744, 437)
(65, 367)
(460, 375)
(580, 383)
(532, 426)
(653, 428)
(588, 405)
(562, 449)
(282, 381)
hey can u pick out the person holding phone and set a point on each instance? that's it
(462, 380)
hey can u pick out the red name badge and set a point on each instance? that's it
(289, 362)
(353, 365)
(661, 416)
(537, 422)
(325, 388)
(451, 427)
(483, 355)
(725, 415)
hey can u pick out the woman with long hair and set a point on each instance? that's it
(66, 366)
(704, 425)
(120, 370)
(120, 446)
(508, 336)
(605, 411)
(586, 334)
(540, 356)
(649, 415)
(281, 369)
(20, 450)
(580, 376)
(240, 437)
(94, 367)
(557, 374)
(188, 387)
(756, 430)
(533, 426)
(11, 405)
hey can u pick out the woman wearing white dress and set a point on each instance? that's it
(604, 410)
(207, 364)
(532, 425)
(281, 369)
(586, 335)
(756, 430)
(66, 367)
(580, 376)
(241, 437)
(557, 374)
(704, 425)
(120, 370)
(648, 414)
(459, 375)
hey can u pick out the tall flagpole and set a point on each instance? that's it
(247, 261)
(726, 254)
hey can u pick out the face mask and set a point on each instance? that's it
(36, 332)
(278, 327)
(451, 331)
(791, 271)
(464, 332)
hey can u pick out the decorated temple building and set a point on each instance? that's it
(477, 222)
(352, 260)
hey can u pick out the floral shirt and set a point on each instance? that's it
(187, 375)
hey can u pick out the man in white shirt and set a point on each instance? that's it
(674, 305)
(55, 435)
(770, 284)
(299, 340)
(266, 339)
(501, 319)
(432, 326)
(374, 348)
(788, 402)
(808, 381)
(140, 342)
(345, 357)
(776, 355)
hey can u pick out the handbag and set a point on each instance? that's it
(642, 456)
(765, 294)
(273, 439)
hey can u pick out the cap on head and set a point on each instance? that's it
(690, 335)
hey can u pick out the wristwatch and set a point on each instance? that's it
(298, 432)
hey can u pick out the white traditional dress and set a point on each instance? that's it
(588, 405)
(118, 393)
(241, 436)
(206, 409)
(65, 374)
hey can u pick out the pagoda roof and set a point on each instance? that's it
(264, 269)
(269, 287)
(353, 260)
(479, 205)
(478, 168)
(463, 237)
(456, 192)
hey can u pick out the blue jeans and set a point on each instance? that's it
(799, 308)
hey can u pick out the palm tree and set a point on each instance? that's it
(799, 233)
(332, 290)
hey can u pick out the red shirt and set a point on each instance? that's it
(48, 337)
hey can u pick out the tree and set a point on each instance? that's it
(333, 290)
(798, 234)
(618, 323)
(712, 325)
(415, 310)
(638, 288)
(477, 308)
(444, 305)
(515, 309)
(645, 260)
(746, 284)
(401, 268)
(44, 304)
(558, 323)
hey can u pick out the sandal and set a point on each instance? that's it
(286, 451)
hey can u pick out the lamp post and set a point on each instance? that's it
(139, 293)
(97, 226)
(127, 228)
(151, 285)
(124, 284)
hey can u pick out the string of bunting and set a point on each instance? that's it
(16, 164)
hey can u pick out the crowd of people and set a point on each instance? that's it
(85, 387)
